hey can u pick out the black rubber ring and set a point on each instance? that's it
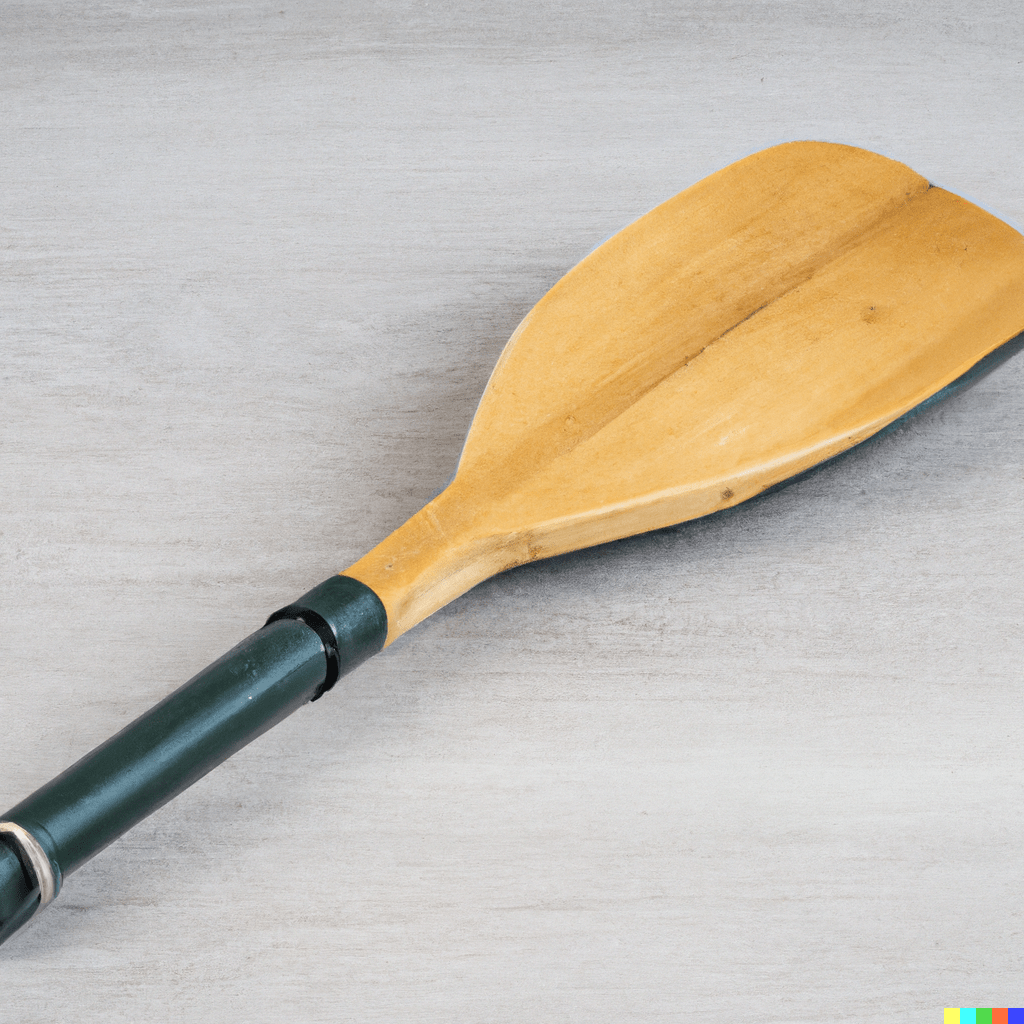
(322, 628)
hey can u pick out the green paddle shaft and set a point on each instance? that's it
(295, 658)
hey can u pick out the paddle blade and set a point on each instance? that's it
(762, 321)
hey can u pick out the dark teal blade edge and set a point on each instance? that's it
(980, 369)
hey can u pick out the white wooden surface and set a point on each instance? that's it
(257, 262)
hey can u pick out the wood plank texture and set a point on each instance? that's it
(258, 263)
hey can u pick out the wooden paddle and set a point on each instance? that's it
(759, 323)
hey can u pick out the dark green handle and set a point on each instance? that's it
(296, 657)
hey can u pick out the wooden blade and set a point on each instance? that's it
(762, 321)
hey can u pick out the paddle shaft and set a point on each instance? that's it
(295, 658)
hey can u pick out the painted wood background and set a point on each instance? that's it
(257, 263)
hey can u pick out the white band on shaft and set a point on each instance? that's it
(34, 856)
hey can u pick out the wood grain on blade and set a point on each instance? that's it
(762, 321)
